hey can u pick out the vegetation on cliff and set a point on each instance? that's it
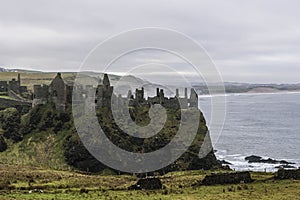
(45, 133)
(10, 120)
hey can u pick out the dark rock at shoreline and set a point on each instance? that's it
(258, 159)
(151, 183)
(227, 178)
(253, 158)
(288, 174)
(285, 167)
(226, 167)
(224, 162)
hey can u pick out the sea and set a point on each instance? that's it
(261, 124)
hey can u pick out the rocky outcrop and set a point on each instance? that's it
(227, 178)
(288, 174)
(151, 183)
(258, 159)
(285, 167)
(77, 156)
(224, 162)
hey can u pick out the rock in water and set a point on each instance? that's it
(285, 167)
(253, 158)
(258, 159)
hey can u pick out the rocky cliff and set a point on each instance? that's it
(49, 139)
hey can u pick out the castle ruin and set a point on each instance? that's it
(57, 92)
(60, 93)
(14, 85)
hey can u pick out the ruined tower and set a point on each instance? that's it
(193, 99)
(14, 85)
(104, 93)
(19, 79)
(129, 95)
(139, 95)
(57, 92)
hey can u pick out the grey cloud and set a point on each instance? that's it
(251, 41)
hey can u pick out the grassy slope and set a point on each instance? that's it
(30, 79)
(42, 149)
(39, 78)
(71, 185)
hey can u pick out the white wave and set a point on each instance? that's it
(238, 163)
(249, 94)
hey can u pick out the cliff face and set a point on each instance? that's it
(194, 158)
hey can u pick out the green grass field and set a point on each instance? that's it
(21, 182)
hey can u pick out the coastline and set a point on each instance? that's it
(272, 134)
(238, 163)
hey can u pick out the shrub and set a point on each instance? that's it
(10, 122)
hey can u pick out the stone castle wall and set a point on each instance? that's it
(61, 94)
(13, 85)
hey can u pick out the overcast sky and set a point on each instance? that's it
(249, 41)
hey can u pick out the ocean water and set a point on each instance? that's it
(266, 125)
